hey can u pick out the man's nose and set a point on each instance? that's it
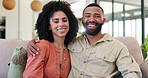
(91, 19)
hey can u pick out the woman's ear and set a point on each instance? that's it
(49, 27)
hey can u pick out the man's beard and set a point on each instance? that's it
(92, 31)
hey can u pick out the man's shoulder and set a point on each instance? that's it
(118, 43)
(76, 42)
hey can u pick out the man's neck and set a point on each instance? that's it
(92, 39)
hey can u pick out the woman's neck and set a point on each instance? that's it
(59, 42)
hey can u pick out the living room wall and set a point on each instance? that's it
(19, 21)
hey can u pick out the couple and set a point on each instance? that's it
(60, 55)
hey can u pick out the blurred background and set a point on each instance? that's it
(127, 18)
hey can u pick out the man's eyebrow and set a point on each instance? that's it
(96, 14)
(86, 13)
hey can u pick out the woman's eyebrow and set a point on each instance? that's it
(55, 18)
(64, 18)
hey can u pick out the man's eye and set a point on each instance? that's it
(87, 16)
(97, 16)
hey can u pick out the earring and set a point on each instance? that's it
(49, 28)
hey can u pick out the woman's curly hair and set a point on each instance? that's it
(42, 25)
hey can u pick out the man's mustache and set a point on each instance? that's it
(91, 23)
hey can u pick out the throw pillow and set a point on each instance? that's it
(17, 63)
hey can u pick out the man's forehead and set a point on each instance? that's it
(91, 13)
(92, 9)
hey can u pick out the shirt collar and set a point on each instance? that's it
(107, 37)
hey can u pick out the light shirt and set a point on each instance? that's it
(101, 60)
(47, 63)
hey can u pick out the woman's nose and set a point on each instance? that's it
(61, 24)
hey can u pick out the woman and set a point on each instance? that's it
(56, 27)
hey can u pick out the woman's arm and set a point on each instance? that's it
(35, 64)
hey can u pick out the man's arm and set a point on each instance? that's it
(127, 65)
(32, 48)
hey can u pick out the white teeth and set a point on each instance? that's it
(61, 29)
(91, 25)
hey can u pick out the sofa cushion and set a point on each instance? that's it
(17, 63)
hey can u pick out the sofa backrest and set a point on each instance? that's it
(133, 47)
(7, 47)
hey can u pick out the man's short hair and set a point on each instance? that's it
(95, 5)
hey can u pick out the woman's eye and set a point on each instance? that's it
(55, 21)
(64, 20)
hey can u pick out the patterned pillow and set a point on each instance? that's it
(17, 63)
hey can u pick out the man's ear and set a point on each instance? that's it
(80, 19)
(104, 20)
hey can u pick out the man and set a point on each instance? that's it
(97, 55)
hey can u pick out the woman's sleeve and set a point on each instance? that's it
(35, 64)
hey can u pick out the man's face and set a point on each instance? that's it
(93, 20)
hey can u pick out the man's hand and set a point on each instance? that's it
(32, 48)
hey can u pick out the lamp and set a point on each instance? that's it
(36, 5)
(8, 4)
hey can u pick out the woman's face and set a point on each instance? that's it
(59, 24)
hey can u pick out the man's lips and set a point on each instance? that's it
(91, 26)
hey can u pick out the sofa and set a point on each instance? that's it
(7, 47)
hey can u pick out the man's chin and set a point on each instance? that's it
(91, 32)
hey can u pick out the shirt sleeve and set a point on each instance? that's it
(127, 65)
(35, 64)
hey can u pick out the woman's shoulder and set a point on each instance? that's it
(44, 43)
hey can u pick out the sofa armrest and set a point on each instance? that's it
(144, 68)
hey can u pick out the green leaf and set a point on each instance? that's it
(144, 55)
(144, 48)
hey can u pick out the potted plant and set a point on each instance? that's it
(144, 48)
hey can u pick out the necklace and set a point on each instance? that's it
(61, 55)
